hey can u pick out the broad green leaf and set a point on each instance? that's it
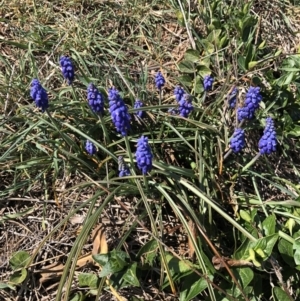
(78, 297)
(270, 243)
(130, 275)
(192, 55)
(186, 67)
(198, 85)
(286, 251)
(203, 70)
(18, 276)
(252, 64)
(246, 275)
(176, 265)
(280, 295)
(6, 285)
(19, 260)
(245, 216)
(269, 225)
(88, 279)
(296, 247)
(149, 251)
(102, 259)
(192, 286)
(185, 80)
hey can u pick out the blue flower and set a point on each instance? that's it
(123, 168)
(185, 106)
(179, 93)
(67, 69)
(251, 104)
(267, 143)
(118, 111)
(232, 98)
(143, 155)
(39, 95)
(90, 147)
(159, 80)
(138, 104)
(237, 142)
(95, 98)
(208, 82)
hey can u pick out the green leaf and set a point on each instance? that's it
(286, 251)
(176, 265)
(203, 70)
(269, 225)
(270, 241)
(246, 275)
(185, 80)
(192, 55)
(296, 246)
(130, 275)
(88, 279)
(18, 276)
(6, 285)
(186, 67)
(149, 250)
(252, 64)
(279, 294)
(245, 216)
(19, 260)
(78, 297)
(192, 286)
(198, 86)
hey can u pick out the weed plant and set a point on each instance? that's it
(101, 121)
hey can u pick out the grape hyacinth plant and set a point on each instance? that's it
(179, 93)
(95, 99)
(39, 95)
(232, 98)
(267, 143)
(118, 111)
(122, 167)
(67, 69)
(159, 80)
(253, 98)
(143, 155)
(90, 148)
(185, 106)
(237, 142)
(138, 104)
(208, 82)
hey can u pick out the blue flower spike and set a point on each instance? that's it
(143, 155)
(237, 142)
(138, 104)
(119, 112)
(123, 168)
(90, 148)
(267, 143)
(208, 82)
(159, 80)
(67, 69)
(95, 99)
(185, 106)
(251, 104)
(179, 93)
(232, 98)
(39, 95)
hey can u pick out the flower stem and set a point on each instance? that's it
(247, 165)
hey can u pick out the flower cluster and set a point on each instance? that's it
(95, 99)
(232, 98)
(208, 82)
(67, 69)
(159, 80)
(143, 155)
(118, 111)
(237, 142)
(179, 93)
(138, 104)
(90, 147)
(123, 168)
(185, 106)
(267, 143)
(253, 98)
(39, 95)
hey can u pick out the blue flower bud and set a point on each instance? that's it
(143, 155)
(119, 112)
(159, 80)
(232, 98)
(179, 93)
(90, 147)
(39, 95)
(95, 99)
(208, 82)
(123, 168)
(67, 69)
(268, 142)
(185, 106)
(138, 104)
(237, 142)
